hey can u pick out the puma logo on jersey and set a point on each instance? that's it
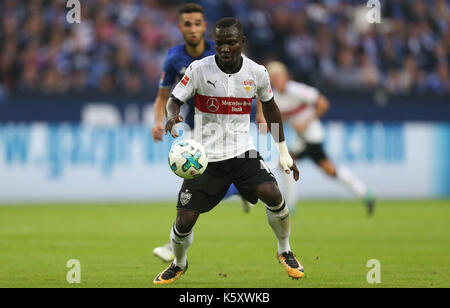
(211, 83)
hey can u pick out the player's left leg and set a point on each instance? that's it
(254, 179)
(279, 219)
(346, 177)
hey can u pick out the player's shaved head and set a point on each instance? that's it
(229, 42)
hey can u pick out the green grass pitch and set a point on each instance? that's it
(333, 239)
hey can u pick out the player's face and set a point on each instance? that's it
(193, 27)
(229, 43)
(278, 81)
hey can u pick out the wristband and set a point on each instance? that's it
(282, 147)
(286, 160)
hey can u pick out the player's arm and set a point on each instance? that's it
(159, 110)
(320, 108)
(168, 79)
(272, 115)
(259, 119)
(173, 117)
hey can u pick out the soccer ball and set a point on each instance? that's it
(188, 159)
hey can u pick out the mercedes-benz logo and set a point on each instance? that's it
(212, 104)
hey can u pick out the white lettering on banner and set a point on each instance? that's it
(107, 148)
(231, 103)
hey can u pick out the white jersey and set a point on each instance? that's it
(223, 104)
(297, 104)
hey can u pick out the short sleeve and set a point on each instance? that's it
(168, 76)
(185, 89)
(264, 90)
(306, 94)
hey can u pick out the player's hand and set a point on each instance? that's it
(288, 165)
(295, 171)
(287, 162)
(158, 131)
(170, 125)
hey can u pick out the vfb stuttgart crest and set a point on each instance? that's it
(248, 85)
(185, 197)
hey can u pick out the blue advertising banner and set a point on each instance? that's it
(70, 162)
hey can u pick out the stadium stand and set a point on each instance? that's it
(120, 45)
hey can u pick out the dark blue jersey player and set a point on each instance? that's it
(192, 25)
(177, 60)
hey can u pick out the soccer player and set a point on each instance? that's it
(302, 106)
(192, 25)
(223, 87)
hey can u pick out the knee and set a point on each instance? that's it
(330, 172)
(328, 168)
(185, 221)
(269, 193)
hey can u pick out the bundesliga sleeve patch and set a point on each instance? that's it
(185, 80)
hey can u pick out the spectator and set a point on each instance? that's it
(368, 72)
(120, 44)
(347, 73)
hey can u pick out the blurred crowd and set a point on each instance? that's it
(121, 45)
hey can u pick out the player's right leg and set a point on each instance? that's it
(347, 177)
(288, 183)
(181, 237)
(165, 252)
(289, 192)
(196, 196)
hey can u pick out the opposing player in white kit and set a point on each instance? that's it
(223, 87)
(302, 106)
